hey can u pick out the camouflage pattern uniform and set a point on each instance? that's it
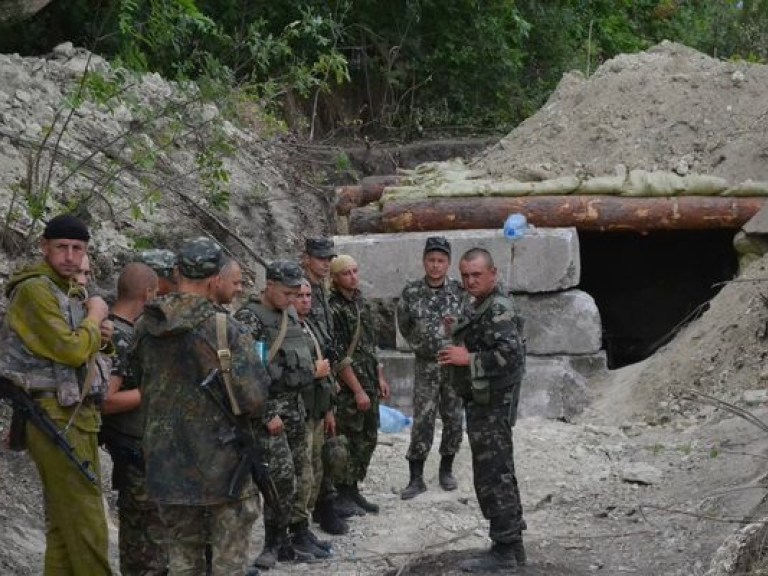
(490, 386)
(46, 340)
(360, 428)
(189, 457)
(143, 551)
(420, 314)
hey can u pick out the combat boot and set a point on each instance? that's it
(268, 557)
(345, 505)
(416, 484)
(330, 522)
(287, 553)
(303, 542)
(359, 499)
(447, 479)
(500, 558)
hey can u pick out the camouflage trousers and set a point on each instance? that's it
(76, 536)
(315, 442)
(433, 392)
(489, 427)
(288, 457)
(225, 527)
(141, 538)
(361, 430)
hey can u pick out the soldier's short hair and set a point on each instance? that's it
(474, 253)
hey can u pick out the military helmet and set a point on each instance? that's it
(286, 272)
(162, 261)
(319, 247)
(200, 257)
(335, 456)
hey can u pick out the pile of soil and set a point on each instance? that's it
(668, 108)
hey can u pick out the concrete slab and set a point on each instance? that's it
(561, 323)
(545, 259)
(552, 389)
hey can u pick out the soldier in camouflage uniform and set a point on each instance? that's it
(487, 363)
(318, 253)
(360, 375)
(273, 321)
(141, 536)
(420, 312)
(188, 448)
(163, 262)
(50, 335)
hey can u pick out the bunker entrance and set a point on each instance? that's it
(647, 286)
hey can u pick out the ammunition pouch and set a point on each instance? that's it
(481, 391)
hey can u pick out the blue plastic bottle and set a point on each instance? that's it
(391, 420)
(515, 226)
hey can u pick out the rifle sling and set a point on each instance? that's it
(275, 347)
(225, 361)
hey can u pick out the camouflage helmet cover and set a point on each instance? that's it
(200, 258)
(160, 260)
(286, 272)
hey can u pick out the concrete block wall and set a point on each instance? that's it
(542, 270)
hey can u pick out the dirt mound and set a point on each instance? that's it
(668, 108)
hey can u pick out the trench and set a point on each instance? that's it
(647, 286)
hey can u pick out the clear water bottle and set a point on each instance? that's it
(515, 226)
(392, 420)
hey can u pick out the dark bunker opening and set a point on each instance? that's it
(647, 286)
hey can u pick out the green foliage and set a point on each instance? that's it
(374, 66)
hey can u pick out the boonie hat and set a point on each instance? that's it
(200, 258)
(439, 244)
(160, 260)
(319, 247)
(286, 272)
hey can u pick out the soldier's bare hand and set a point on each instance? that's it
(453, 356)
(97, 309)
(107, 329)
(330, 423)
(275, 426)
(362, 401)
(384, 390)
(322, 368)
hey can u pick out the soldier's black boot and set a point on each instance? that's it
(268, 557)
(416, 484)
(286, 552)
(345, 505)
(302, 541)
(446, 477)
(360, 500)
(330, 522)
(500, 558)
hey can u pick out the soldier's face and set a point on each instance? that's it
(436, 266)
(64, 256)
(347, 279)
(230, 284)
(303, 302)
(478, 277)
(83, 275)
(279, 296)
(318, 268)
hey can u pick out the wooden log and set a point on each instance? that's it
(369, 190)
(596, 213)
(366, 220)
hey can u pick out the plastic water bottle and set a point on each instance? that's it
(515, 226)
(391, 420)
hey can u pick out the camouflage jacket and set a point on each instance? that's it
(492, 333)
(364, 359)
(318, 399)
(322, 318)
(189, 460)
(130, 423)
(420, 314)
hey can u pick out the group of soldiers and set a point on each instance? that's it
(202, 408)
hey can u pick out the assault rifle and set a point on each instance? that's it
(25, 408)
(252, 461)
